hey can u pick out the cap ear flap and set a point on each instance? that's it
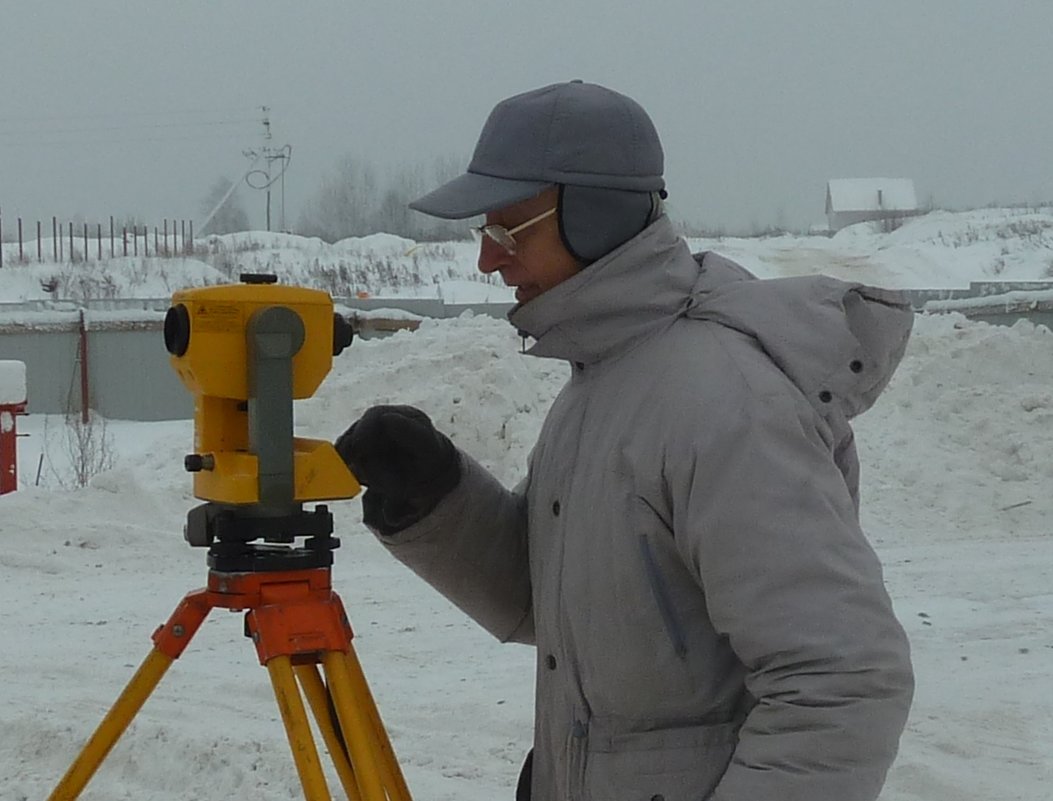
(593, 221)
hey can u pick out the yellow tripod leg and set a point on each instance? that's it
(356, 727)
(126, 706)
(314, 690)
(393, 778)
(298, 730)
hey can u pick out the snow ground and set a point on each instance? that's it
(956, 499)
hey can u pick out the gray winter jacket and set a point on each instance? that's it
(685, 552)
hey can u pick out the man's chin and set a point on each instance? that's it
(527, 293)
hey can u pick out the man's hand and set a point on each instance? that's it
(406, 465)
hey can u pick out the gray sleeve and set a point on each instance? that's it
(473, 549)
(770, 528)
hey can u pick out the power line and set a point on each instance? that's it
(122, 114)
(44, 143)
(156, 126)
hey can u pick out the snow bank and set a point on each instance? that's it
(963, 435)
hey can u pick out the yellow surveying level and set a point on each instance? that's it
(247, 351)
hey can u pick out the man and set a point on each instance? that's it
(685, 550)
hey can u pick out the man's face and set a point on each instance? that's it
(540, 260)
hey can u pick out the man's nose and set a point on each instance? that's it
(492, 257)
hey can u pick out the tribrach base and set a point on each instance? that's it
(296, 622)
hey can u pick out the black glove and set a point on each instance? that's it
(405, 464)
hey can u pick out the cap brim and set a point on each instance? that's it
(472, 193)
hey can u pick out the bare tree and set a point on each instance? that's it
(229, 217)
(355, 199)
(86, 449)
(89, 446)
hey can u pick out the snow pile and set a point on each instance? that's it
(376, 245)
(466, 374)
(963, 435)
(938, 250)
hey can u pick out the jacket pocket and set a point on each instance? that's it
(661, 597)
(575, 759)
(682, 763)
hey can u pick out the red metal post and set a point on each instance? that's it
(12, 404)
(9, 447)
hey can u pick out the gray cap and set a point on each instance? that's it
(567, 133)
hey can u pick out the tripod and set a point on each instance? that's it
(296, 621)
(247, 351)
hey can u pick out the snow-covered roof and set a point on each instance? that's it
(871, 194)
(12, 382)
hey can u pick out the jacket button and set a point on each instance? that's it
(550, 662)
(555, 508)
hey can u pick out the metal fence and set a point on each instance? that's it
(69, 242)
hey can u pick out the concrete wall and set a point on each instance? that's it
(129, 377)
(128, 369)
(51, 367)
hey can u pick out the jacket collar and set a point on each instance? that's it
(631, 293)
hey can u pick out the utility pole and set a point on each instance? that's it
(269, 154)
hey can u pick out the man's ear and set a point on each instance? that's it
(593, 221)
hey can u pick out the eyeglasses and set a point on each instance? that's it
(505, 237)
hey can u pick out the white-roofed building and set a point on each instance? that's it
(855, 200)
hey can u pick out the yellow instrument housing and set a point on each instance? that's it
(216, 366)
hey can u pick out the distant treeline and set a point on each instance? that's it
(357, 198)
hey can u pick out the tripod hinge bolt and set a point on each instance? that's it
(177, 630)
(196, 462)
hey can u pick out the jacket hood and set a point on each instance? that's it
(839, 342)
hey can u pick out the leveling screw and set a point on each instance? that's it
(196, 462)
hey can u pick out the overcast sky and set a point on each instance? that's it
(120, 108)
